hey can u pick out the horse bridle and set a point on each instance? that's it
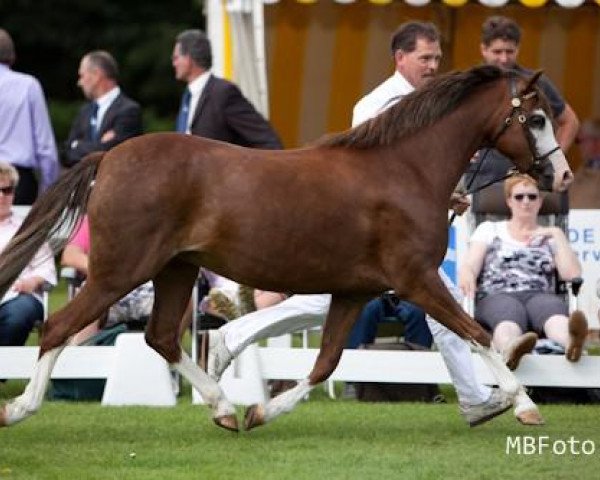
(517, 111)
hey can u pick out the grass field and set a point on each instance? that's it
(322, 438)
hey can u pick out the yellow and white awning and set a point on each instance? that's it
(457, 3)
(325, 54)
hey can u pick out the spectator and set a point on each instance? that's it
(500, 41)
(109, 118)
(386, 307)
(585, 190)
(26, 138)
(22, 305)
(511, 265)
(211, 106)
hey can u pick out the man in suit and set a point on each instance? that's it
(109, 118)
(211, 106)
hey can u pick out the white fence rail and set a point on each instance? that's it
(137, 376)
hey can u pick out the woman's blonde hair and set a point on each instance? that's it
(513, 180)
(7, 170)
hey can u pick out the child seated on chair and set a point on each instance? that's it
(511, 264)
(22, 304)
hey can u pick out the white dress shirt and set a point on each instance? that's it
(104, 102)
(196, 87)
(381, 98)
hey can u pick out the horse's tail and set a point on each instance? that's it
(59, 210)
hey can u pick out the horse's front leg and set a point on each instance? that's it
(30, 401)
(437, 301)
(343, 312)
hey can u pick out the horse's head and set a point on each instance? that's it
(526, 135)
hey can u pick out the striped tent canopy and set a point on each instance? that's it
(460, 3)
(304, 63)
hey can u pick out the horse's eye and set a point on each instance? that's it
(536, 121)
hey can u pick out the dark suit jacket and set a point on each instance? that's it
(124, 116)
(223, 113)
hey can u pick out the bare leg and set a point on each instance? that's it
(342, 315)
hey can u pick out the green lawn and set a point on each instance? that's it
(320, 439)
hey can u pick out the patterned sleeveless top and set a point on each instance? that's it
(513, 266)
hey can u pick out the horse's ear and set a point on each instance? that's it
(532, 81)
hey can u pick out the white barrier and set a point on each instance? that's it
(396, 367)
(140, 377)
(135, 374)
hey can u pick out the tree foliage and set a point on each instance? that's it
(51, 36)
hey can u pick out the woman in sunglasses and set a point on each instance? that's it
(511, 266)
(21, 306)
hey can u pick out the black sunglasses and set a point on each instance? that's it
(520, 196)
(7, 190)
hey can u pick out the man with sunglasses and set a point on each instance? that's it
(21, 306)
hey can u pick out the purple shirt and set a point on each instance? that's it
(26, 137)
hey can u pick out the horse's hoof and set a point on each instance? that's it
(255, 417)
(228, 422)
(530, 417)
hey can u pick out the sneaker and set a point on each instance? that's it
(518, 347)
(578, 330)
(214, 356)
(498, 403)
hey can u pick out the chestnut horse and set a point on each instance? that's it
(356, 214)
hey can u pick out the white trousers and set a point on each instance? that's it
(295, 313)
(300, 312)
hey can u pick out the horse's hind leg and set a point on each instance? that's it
(437, 301)
(343, 312)
(173, 286)
(82, 311)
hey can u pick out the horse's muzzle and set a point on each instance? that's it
(544, 176)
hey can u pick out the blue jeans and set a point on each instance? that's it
(376, 311)
(17, 318)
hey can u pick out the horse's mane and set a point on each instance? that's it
(419, 109)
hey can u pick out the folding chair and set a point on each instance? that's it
(490, 204)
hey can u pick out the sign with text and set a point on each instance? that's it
(584, 235)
